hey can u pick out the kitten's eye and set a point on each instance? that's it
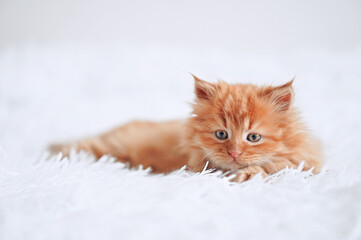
(221, 134)
(253, 137)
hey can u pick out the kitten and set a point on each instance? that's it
(235, 127)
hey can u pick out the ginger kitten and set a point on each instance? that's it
(239, 127)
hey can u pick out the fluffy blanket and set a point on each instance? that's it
(57, 93)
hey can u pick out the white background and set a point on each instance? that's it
(69, 69)
(261, 25)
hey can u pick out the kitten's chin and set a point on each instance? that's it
(228, 164)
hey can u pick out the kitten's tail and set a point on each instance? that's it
(98, 146)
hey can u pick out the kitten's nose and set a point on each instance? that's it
(234, 155)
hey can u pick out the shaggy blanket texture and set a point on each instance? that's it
(59, 93)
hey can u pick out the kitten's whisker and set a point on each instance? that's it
(207, 155)
(268, 162)
(204, 157)
(271, 163)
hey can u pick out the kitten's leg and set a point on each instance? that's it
(281, 163)
(265, 169)
(247, 173)
(269, 168)
(197, 161)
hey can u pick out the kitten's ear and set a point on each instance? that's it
(282, 95)
(204, 90)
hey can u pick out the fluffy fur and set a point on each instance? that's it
(237, 109)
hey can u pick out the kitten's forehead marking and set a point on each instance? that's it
(244, 104)
(236, 109)
(233, 111)
(245, 123)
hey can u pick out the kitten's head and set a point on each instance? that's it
(238, 125)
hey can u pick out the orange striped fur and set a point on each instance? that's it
(237, 109)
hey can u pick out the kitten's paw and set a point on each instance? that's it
(247, 173)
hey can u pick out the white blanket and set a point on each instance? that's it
(59, 93)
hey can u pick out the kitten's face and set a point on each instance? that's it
(241, 125)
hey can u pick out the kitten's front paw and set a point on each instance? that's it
(247, 173)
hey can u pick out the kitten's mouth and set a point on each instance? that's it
(234, 164)
(228, 163)
(234, 161)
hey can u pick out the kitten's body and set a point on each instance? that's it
(151, 144)
(238, 110)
